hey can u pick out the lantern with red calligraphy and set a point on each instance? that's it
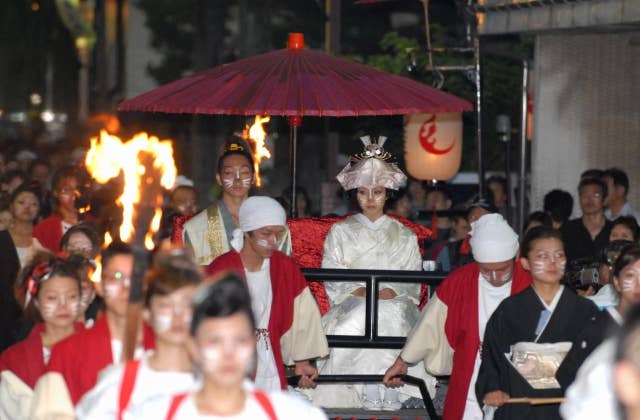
(433, 145)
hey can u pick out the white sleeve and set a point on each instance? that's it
(591, 395)
(288, 407)
(407, 257)
(333, 257)
(427, 340)
(101, 402)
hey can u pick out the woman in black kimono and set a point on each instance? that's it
(546, 312)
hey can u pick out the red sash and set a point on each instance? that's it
(127, 384)
(261, 397)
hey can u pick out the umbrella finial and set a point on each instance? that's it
(296, 41)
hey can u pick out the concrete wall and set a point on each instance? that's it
(587, 110)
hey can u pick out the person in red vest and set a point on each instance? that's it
(168, 369)
(79, 358)
(289, 329)
(64, 191)
(449, 333)
(223, 345)
(51, 290)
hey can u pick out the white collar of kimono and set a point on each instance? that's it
(368, 223)
(615, 314)
(552, 307)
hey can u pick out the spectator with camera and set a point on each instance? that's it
(616, 202)
(585, 236)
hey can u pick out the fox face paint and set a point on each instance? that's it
(630, 279)
(492, 276)
(50, 304)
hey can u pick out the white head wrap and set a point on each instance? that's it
(255, 213)
(492, 239)
(371, 168)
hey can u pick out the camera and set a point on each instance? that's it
(581, 274)
(596, 273)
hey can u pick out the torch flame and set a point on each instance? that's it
(95, 275)
(138, 159)
(257, 136)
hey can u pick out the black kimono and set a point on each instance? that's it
(515, 320)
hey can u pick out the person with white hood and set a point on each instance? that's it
(449, 333)
(288, 326)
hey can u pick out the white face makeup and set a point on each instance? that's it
(268, 237)
(162, 323)
(174, 309)
(226, 348)
(265, 243)
(371, 201)
(492, 276)
(630, 279)
(59, 297)
(115, 288)
(236, 174)
(79, 243)
(547, 260)
(542, 260)
(239, 352)
(50, 306)
(88, 294)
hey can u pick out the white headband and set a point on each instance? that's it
(492, 239)
(255, 213)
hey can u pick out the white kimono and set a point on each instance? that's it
(358, 243)
(259, 284)
(102, 401)
(285, 406)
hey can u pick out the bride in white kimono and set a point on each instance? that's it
(369, 240)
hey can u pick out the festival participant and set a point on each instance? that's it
(288, 322)
(369, 240)
(209, 232)
(458, 253)
(19, 242)
(223, 345)
(50, 288)
(592, 394)
(64, 191)
(546, 312)
(82, 239)
(81, 357)
(17, 246)
(166, 370)
(449, 333)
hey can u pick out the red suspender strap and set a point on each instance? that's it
(126, 386)
(175, 404)
(264, 402)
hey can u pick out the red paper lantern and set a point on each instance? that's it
(433, 145)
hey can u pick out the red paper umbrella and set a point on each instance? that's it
(295, 82)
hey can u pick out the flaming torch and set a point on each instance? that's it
(256, 135)
(147, 166)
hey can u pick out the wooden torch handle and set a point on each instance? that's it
(535, 401)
